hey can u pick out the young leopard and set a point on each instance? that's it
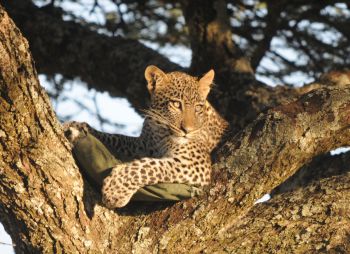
(180, 130)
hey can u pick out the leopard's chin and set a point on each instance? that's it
(181, 140)
(188, 136)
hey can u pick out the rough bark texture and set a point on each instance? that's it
(314, 219)
(42, 192)
(47, 207)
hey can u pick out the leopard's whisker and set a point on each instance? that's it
(158, 117)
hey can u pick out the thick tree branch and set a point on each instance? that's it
(41, 189)
(105, 63)
(314, 219)
(288, 136)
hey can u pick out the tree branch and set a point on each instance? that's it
(41, 189)
(314, 219)
(289, 136)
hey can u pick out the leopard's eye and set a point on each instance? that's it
(176, 104)
(199, 107)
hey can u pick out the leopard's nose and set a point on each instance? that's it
(187, 128)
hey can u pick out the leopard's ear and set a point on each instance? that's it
(154, 77)
(205, 83)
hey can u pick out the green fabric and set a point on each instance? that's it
(96, 161)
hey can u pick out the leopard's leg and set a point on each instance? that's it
(126, 179)
(123, 147)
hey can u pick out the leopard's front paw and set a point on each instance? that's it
(112, 200)
(116, 189)
(75, 130)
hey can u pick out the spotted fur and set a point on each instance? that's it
(180, 130)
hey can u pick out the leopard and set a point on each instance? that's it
(180, 130)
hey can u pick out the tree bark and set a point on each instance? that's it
(47, 207)
(41, 188)
(314, 219)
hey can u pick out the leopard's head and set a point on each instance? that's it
(178, 100)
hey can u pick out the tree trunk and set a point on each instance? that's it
(47, 207)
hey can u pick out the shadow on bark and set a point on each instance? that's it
(322, 166)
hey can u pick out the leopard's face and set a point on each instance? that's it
(179, 101)
(180, 104)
